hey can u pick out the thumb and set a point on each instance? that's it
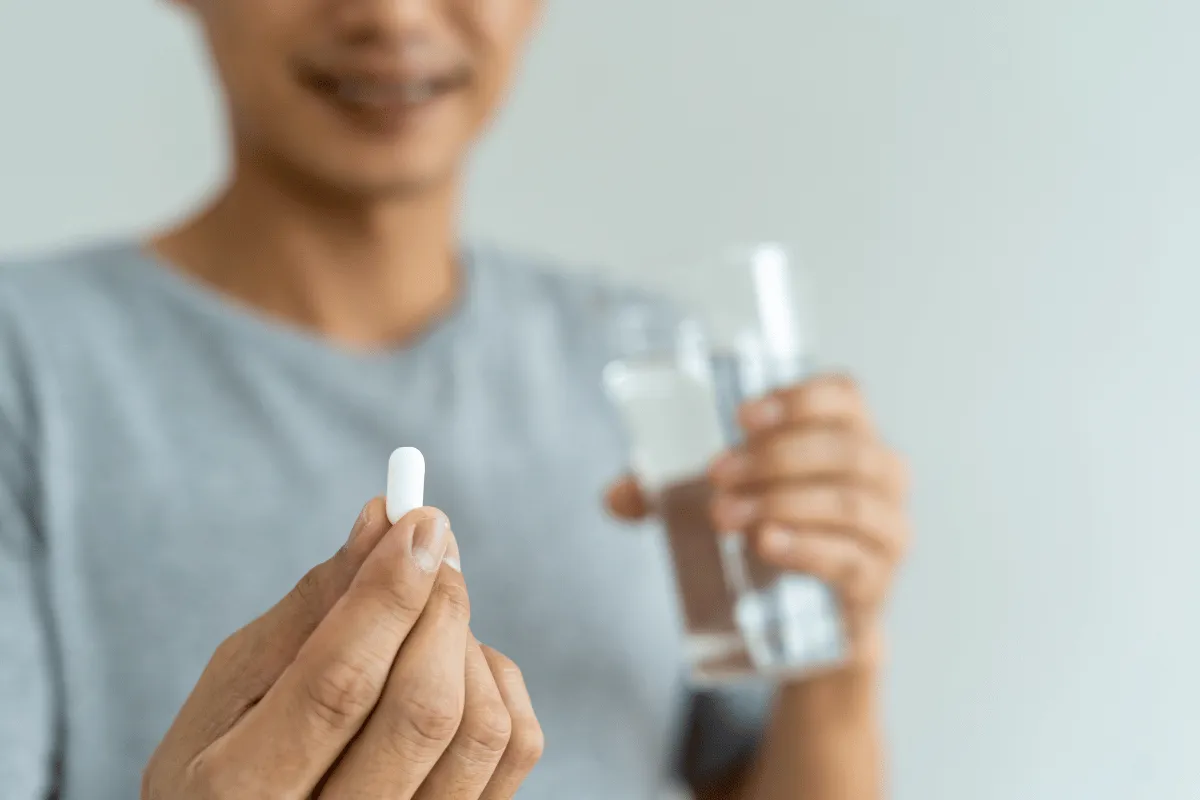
(626, 501)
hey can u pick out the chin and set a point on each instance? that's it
(362, 178)
(396, 186)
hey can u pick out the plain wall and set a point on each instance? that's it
(999, 204)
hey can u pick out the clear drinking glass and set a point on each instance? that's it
(676, 385)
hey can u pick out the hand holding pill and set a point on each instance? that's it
(365, 680)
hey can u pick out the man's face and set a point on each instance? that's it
(367, 97)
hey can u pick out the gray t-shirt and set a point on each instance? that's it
(172, 462)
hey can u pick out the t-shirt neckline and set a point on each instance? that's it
(233, 314)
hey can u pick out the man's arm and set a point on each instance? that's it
(817, 493)
(824, 742)
(834, 507)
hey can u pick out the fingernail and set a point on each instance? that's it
(764, 413)
(451, 559)
(429, 543)
(775, 541)
(730, 467)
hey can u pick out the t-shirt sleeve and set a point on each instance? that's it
(27, 720)
(723, 730)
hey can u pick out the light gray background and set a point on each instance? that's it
(1000, 205)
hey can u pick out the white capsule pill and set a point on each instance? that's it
(405, 482)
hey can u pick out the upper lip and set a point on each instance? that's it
(382, 75)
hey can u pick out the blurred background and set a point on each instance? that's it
(1000, 207)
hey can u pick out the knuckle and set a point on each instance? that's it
(310, 589)
(527, 743)
(453, 599)
(341, 695)
(487, 729)
(850, 505)
(237, 664)
(507, 673)
(428, 720)
(229, 651)
(205, 778)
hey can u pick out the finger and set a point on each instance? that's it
(811, 453)
(468, 763)
(843, 508)
(249, 662)
(857, 575)
(526, 741)
(626, 501)
(322, 699)
(422, 705)
(824, 400)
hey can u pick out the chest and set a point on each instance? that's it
(182, 522)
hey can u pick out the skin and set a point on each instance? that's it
(340, 216)
(364, 681)
(816, 491)
(325, 197)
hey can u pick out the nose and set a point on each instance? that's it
(385, 20)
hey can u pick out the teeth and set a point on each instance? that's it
(357, 93)
(418, 92)
(366, 93)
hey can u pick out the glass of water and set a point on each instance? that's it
(676, 384)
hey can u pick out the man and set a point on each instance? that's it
(186, 423)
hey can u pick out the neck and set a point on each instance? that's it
(362, 272)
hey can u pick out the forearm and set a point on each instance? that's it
(824, 742)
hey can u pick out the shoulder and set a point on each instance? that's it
(53, 287)
(51, 305)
